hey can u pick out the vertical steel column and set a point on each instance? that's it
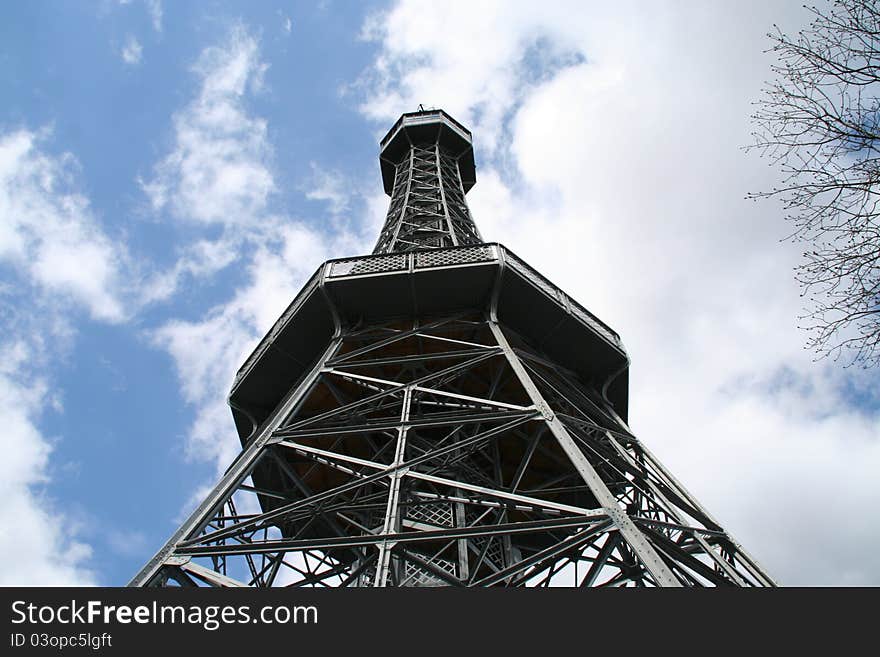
(443, 193)
(634, 538)
(392, 511)
(461, 521)
(402, 216)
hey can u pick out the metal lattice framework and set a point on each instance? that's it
(454, 448)
(428, 207)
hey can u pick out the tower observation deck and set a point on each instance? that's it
(439, 413)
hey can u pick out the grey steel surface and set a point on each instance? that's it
(441, 414)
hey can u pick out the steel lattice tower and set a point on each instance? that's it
(439, 413)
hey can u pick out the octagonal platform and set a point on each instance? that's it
(349, 292)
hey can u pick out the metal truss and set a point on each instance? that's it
(428, 207)
(447, 452)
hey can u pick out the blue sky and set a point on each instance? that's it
(103, 123)
(170, 174)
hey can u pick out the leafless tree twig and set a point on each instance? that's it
(820, 122)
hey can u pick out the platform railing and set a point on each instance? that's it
(383, 264)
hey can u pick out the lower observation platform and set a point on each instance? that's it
(349, 292)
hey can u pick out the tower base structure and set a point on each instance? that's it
(442, 417)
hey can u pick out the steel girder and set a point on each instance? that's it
(445, 452)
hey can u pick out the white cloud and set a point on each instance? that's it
(207, 352)
(132, 51)
(154, 7)
(130, 543)
(476, 68)
(59, 260)
(42, 542)
(154, 10)
(198, 259)
(218, 170)
(608, 144)
(330, 187)
(48, 231)
(287, 24)
(219, 173)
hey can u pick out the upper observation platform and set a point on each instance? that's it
(427, 127)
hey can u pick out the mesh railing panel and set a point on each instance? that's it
(586, 317)
(561, 298)
(368, 265)
(444, 257)
(379, 264)
(548, 288)
(415, 576)
(439, 514)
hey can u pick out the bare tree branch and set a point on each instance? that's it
(819, 121)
